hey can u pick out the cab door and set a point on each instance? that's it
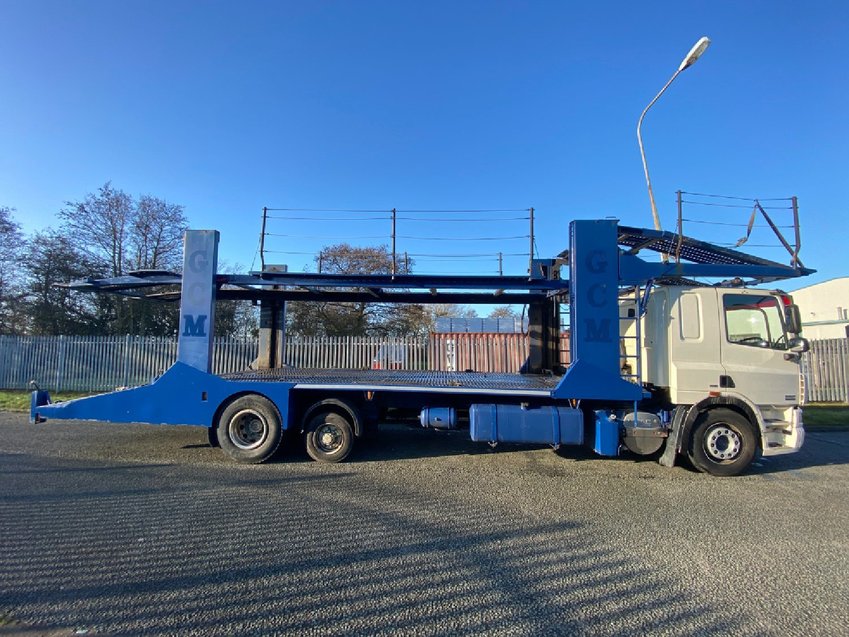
(753, 348)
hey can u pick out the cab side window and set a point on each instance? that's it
(754, 321)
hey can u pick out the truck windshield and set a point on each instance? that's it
(754, 320)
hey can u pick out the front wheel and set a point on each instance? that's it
(329, 437)
(723, 443)
(250, 429)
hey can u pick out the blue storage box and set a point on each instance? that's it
(514, 423)
(606, 435)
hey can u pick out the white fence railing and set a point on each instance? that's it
(98, 363)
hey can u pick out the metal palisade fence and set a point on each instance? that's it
(101, 363)
(356, 352)
(825, 371)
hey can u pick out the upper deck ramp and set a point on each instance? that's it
(690, 258)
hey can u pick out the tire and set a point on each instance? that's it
(329, 437)
(250, 429)
(212, 437)
(722, 443)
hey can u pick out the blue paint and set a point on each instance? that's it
(514, 423)
(38, 397)
(194, 325)
(438, 417)
(594, 292)
(183, 395)
(585, 380)
(594, 307)
(606, 435)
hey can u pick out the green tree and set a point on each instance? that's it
(50, 260)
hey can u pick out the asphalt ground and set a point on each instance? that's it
(136, 530)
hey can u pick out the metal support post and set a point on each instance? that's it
(262, 239)
(272, 329)
(794, 202)
(680, 226)
(394, 256)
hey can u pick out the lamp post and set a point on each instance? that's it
(694, 54)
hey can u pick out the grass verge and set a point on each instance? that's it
(18, 399)
(826, 416)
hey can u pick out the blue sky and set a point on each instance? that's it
(227, 107)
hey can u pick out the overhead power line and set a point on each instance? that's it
(732, 205)
(752, 199)
(288, 218)
(468, 255)
(389, 210)
(461, 238)
(323, 236)
(739, 225)
(355, 210)
(431, 219)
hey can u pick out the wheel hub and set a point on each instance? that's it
(248, 429)
(723, 443)
(329, 438)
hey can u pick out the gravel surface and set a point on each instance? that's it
(135, 529)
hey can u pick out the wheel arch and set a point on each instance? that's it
(224, 403)
(341, 406)
(733, 403)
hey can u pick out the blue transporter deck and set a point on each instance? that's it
(405, 381)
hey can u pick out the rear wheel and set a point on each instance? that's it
(722, 443)
(250, 429)
(329, 437)
(212, 437)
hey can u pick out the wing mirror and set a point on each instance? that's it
(794, 319)
(799, 345)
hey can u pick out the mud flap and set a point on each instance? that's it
(673, 442)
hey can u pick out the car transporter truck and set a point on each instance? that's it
(660, 364)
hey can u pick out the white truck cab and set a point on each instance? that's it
(729, 358)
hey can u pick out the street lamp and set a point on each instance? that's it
(694, 54)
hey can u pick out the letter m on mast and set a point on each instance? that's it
(194, 325)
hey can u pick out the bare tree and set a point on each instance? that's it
(357, 318)
(100, 226)
(11, 246)
(120, 234)
(156, 236)
(239, 319)
(503, 311)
